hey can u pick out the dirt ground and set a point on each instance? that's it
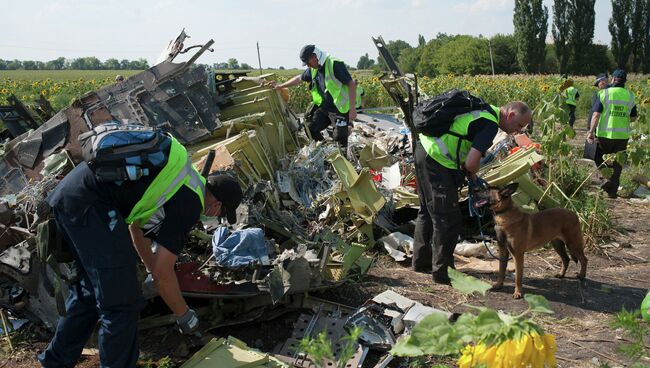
(617, 277)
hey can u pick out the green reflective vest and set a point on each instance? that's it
(614, 121)
(449, 150)
(571, 93)
(359, 96)
(336, 89)
(177, 172)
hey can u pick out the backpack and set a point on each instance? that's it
(118, 151)
(433, 117)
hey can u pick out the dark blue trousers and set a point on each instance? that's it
(107, 291)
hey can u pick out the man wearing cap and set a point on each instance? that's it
(92, 217)
(333, 92)
(613, 112)
(571, 96)
(601, 83)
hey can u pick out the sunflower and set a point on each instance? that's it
(531, 350)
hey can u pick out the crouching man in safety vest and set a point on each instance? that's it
(611, 120)
(333, 92)
(93, 216)
(441, 165)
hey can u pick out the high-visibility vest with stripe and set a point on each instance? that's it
(359, 96)
(449, 150)
(177, 172)
(614, 121)
(336, 89)
(571, 93)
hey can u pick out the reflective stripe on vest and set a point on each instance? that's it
(336, 89)
(614, 121)
(571, 96)
(177, 172)
(443, 149)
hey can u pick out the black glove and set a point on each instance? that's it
(188, 323)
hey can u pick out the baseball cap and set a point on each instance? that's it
(600, 77)
(306, 52)
(619, 73)
(226, 190)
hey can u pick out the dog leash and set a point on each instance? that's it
(474, 206)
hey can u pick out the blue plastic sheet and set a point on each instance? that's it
(239, 248)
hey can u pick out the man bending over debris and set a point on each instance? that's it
(91, 215)
(333, 91)
(439, 178)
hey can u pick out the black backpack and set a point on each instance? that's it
(433, 117)
(118, 151)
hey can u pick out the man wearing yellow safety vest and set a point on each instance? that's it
(361, 95)
(441, 165)
(101, 224)
(571, 97)
(333, 92)
(611, 122)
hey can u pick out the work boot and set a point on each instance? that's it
(440, 278)
(610, 189)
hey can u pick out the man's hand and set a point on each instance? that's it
(590, 137)
(188, 323)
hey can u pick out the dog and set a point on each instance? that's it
(518, 232)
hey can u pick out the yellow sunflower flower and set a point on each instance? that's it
(531, 350)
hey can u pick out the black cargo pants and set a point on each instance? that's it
(321, 119)
(605, 146)
(439, 220)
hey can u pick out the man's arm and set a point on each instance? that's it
(594, 121)
(161, 266)
(473, 162)
(290, 83)
(352, 90)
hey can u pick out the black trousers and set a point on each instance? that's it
(322, 118)
(439, 220)
(572, 115)
(605, 146)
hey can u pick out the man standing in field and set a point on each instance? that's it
(613, 113)
(601, 83)
(438, 176)
(333, 92)
(571, 97)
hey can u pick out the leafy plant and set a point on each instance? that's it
(475, 334)
(635, 330)
(320, 348)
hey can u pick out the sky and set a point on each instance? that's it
(46, 29)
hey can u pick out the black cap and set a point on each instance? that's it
(620, 74)
(306, 52)
(226, 190)
(600, 77)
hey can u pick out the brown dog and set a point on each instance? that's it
(518, 232)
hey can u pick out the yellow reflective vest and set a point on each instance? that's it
(571, 93)
(614, 120)
(177, 172)
(336, 89)
(450, 150)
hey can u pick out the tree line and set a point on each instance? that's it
(83, 63)
(526, 51)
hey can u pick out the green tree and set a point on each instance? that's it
(233, 63)
(582, 31)
(421, 40)
(504, 52)
(531, 26)
(619, 28)
(597, 59)
(29, 65)
(562, 21)
(365, 62)
(245, 66)
(112, 64)
(637, 28)
(3, 64)
(646, 39)
(463, 55)
(395, 48)
(124, 64)
(56, 64)
(14, 64)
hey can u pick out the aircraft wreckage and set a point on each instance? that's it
(311, 213)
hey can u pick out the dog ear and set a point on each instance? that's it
(508, 190)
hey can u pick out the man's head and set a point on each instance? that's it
(222, 197)
(308, 56)
(619, 76)
(119, 78)
(601, 81)
(514, 117)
